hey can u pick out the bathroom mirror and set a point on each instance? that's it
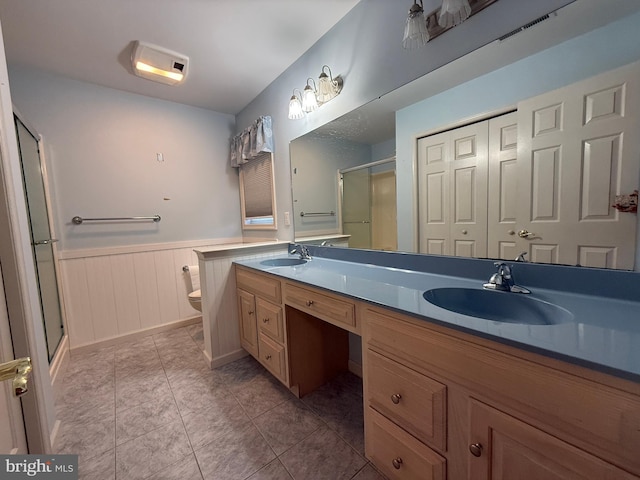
(369, 133)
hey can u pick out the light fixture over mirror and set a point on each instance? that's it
(313, 97)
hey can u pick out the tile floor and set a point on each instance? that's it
(152, 409)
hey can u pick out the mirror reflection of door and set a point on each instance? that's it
(369, 205)
(41, 241)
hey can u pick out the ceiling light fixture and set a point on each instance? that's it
(295, 106)
(453, 12)
(328, 87)
(416, 33)
(158, 64)
(309, 100)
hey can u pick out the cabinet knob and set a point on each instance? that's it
(309, 303)
(395, 398)
(397, 463)
(267, 356)
(475, 449)
(265, 320)
(250, 312)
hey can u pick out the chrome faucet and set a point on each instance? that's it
(301, 250)
(503, 280)
(520, 258)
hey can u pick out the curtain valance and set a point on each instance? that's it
(253, 140)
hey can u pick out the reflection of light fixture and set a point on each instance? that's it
(295, 106)
(328, 87)
(309, 100)
(415, 31)
(158, 64)
(453, 12)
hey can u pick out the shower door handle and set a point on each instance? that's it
(45, 242)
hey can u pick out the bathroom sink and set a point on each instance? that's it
(498, 306)
(283, 262)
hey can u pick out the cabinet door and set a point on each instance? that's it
(502, 447)
(248, 326)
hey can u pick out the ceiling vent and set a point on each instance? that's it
(158, 64)
(527, 26)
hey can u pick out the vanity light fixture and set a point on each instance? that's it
(309, 99)
(295, 106)
(416, 33)
(328, 87)
(453, 12)
(158, 64)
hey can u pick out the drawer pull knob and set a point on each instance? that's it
(397, 463)
(475, 449)
(268, 356)
(309, 303)
(395, 398)
(250, 312)
(265, 320)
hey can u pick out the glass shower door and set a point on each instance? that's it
(41, 241)
(356, 207)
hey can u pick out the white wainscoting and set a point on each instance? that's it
(219, 300)
(123, 291)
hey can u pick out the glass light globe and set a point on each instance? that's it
(453, 12)
(415, 31)
(309, 100)
(295, 108)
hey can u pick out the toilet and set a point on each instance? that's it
(192, 279)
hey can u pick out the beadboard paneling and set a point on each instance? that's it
(116, 294)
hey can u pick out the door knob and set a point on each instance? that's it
(17, 370)
(475, 449)
(526, 234)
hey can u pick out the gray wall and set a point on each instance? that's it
(101, 147)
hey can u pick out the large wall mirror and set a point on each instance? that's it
(386, 138)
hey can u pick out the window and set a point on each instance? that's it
(257, 194)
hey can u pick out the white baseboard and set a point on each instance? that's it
(58, 366)
(54, 433)
(127, 337)
(227, 358)
(355, 368)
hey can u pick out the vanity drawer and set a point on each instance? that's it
(399, 455)
(329, 308)
(272, 356)
(411, 400)
(262, 285)
(269, 318)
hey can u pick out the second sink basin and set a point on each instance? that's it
(498, 306)
(283, 262)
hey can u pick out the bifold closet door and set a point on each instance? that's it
(452, 191)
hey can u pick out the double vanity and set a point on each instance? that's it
(460, 381)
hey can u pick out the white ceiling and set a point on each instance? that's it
(236, 47)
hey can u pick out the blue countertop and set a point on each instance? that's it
(604, 333)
